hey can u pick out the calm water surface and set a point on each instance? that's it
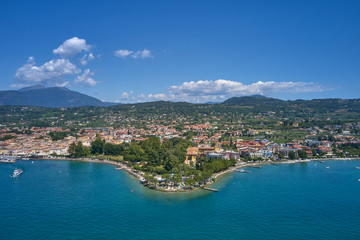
(75, 200)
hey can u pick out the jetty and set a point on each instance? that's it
(210, 189)
(255, 166)
(242, 171)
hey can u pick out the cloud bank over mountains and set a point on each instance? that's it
(50, 72)
(55, 71)
(219, 90)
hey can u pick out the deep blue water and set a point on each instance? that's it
(75, 200)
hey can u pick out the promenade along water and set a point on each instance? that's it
(76, 200)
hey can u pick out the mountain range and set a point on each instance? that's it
(59, 97)
(51, 97)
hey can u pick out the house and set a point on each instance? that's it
(230, 154)
(191, 155)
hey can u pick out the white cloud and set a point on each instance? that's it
(71, 47)
(159, 96)
(19, 85)
(49, 73)
(86, 78)
(219, 90)
(122, 53)
(86, 59)
(142, 54)
(64, 84)
(125, 97)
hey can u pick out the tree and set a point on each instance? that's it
(167, 178)
(207, 174)
(78, 150)
(148, 178)
(112, 149)
(155, 181)
(97, 146)
(177, 178)
(199, 178)
(302, 154)
(190, 182)
(292, 155)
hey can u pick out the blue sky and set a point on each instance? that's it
(196, 51)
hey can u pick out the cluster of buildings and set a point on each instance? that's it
(266, 150)
(211, 140)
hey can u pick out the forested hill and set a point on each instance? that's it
(55, 97)
(232, 110)
(261, 104)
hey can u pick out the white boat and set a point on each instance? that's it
(16, 173)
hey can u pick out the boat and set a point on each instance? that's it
(357, 168)
(242, 171)
(16, 173)
(7, 159)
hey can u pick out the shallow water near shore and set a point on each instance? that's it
(78, 200)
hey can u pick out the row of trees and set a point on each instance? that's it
(167, 156)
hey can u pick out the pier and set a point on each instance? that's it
(255, 166)
(242, 171)
(210, 189)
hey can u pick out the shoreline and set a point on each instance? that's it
(216, 175)
(252, 164)
(92, 160)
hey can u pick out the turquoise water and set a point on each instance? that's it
(75, 200)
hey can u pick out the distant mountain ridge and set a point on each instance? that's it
(51, 97)
(58, 97)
